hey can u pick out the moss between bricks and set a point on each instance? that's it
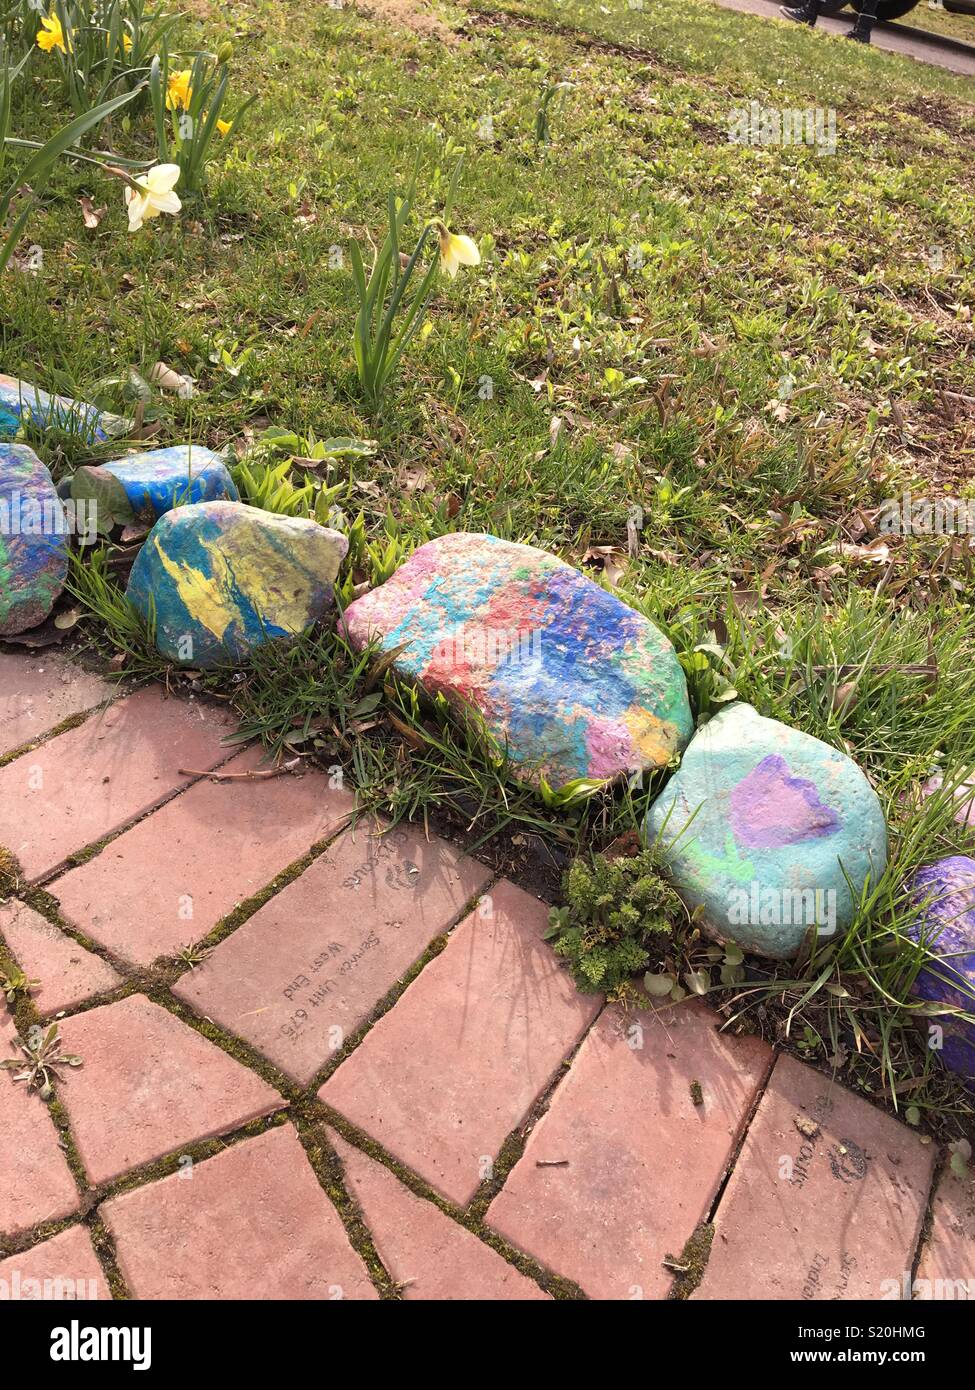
(692, 1261)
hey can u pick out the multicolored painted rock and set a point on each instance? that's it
(574, 682)
(947, 928)
(143, 487)
(761, 827)
(20, 401)
(221, 578)
(33, 540)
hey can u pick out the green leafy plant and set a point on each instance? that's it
(14, 982)
(29, 183)
(44, 1060)
(105, 45)
(389, 314)
(187, 106)
(614, 910)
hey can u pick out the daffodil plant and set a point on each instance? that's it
(100, 46)
(187, 104)
(29, 182)
(389, 315)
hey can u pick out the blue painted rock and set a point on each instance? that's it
(20, 401)
(33, 540)
(576, 684)
(758, 826)
(946, 925)
(221, 578)
(143, 487)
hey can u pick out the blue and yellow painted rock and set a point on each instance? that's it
(946, 892)
(220, 578)
(20, 401)
(33, 540)
(761, 827)
(571, 680)
(154, 482)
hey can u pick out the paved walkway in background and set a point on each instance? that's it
(379, 1081)
(899, 41)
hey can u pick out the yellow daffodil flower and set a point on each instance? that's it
(156, 195)
(225, 127)
(127, 42)
(179, 92)
(51, 35)
(456, 251)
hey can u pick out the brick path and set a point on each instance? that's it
(379, 1082)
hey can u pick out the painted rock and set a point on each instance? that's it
(947, 928)
(574, 682)
(142, 487)
(222, 577)
(20, 401)
(33, 540)
(761, 826)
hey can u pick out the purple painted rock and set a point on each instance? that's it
(947, 928)
(575, 683)
(33, 540)
(761, 826)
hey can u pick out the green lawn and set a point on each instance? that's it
(753, 346)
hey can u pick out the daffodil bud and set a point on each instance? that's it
(225, 52)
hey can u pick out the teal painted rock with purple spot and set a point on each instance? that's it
(221, 578)
(21, 402)
(141, 488)
(573, 682)
(761, 827)
(33, 540)
(946, 892)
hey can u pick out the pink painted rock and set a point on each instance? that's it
(251, 1223)
(428, 1254)
(564, 674)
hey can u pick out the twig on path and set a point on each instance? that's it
(241, 776)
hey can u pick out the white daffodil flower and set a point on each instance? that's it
(157, 195)
(456, 251)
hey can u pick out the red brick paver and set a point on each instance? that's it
(426, 1253)
(251, 1223)
(446, 1075)
(826, 1200)
(78, 787)
(168, 881)
(150, 1084)
(66, 972)
(38, 692)
(62, 1268)
(35, 1182)
(305, 970)
(639, 1163)
(947, 1265)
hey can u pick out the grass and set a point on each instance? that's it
(752, 346)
